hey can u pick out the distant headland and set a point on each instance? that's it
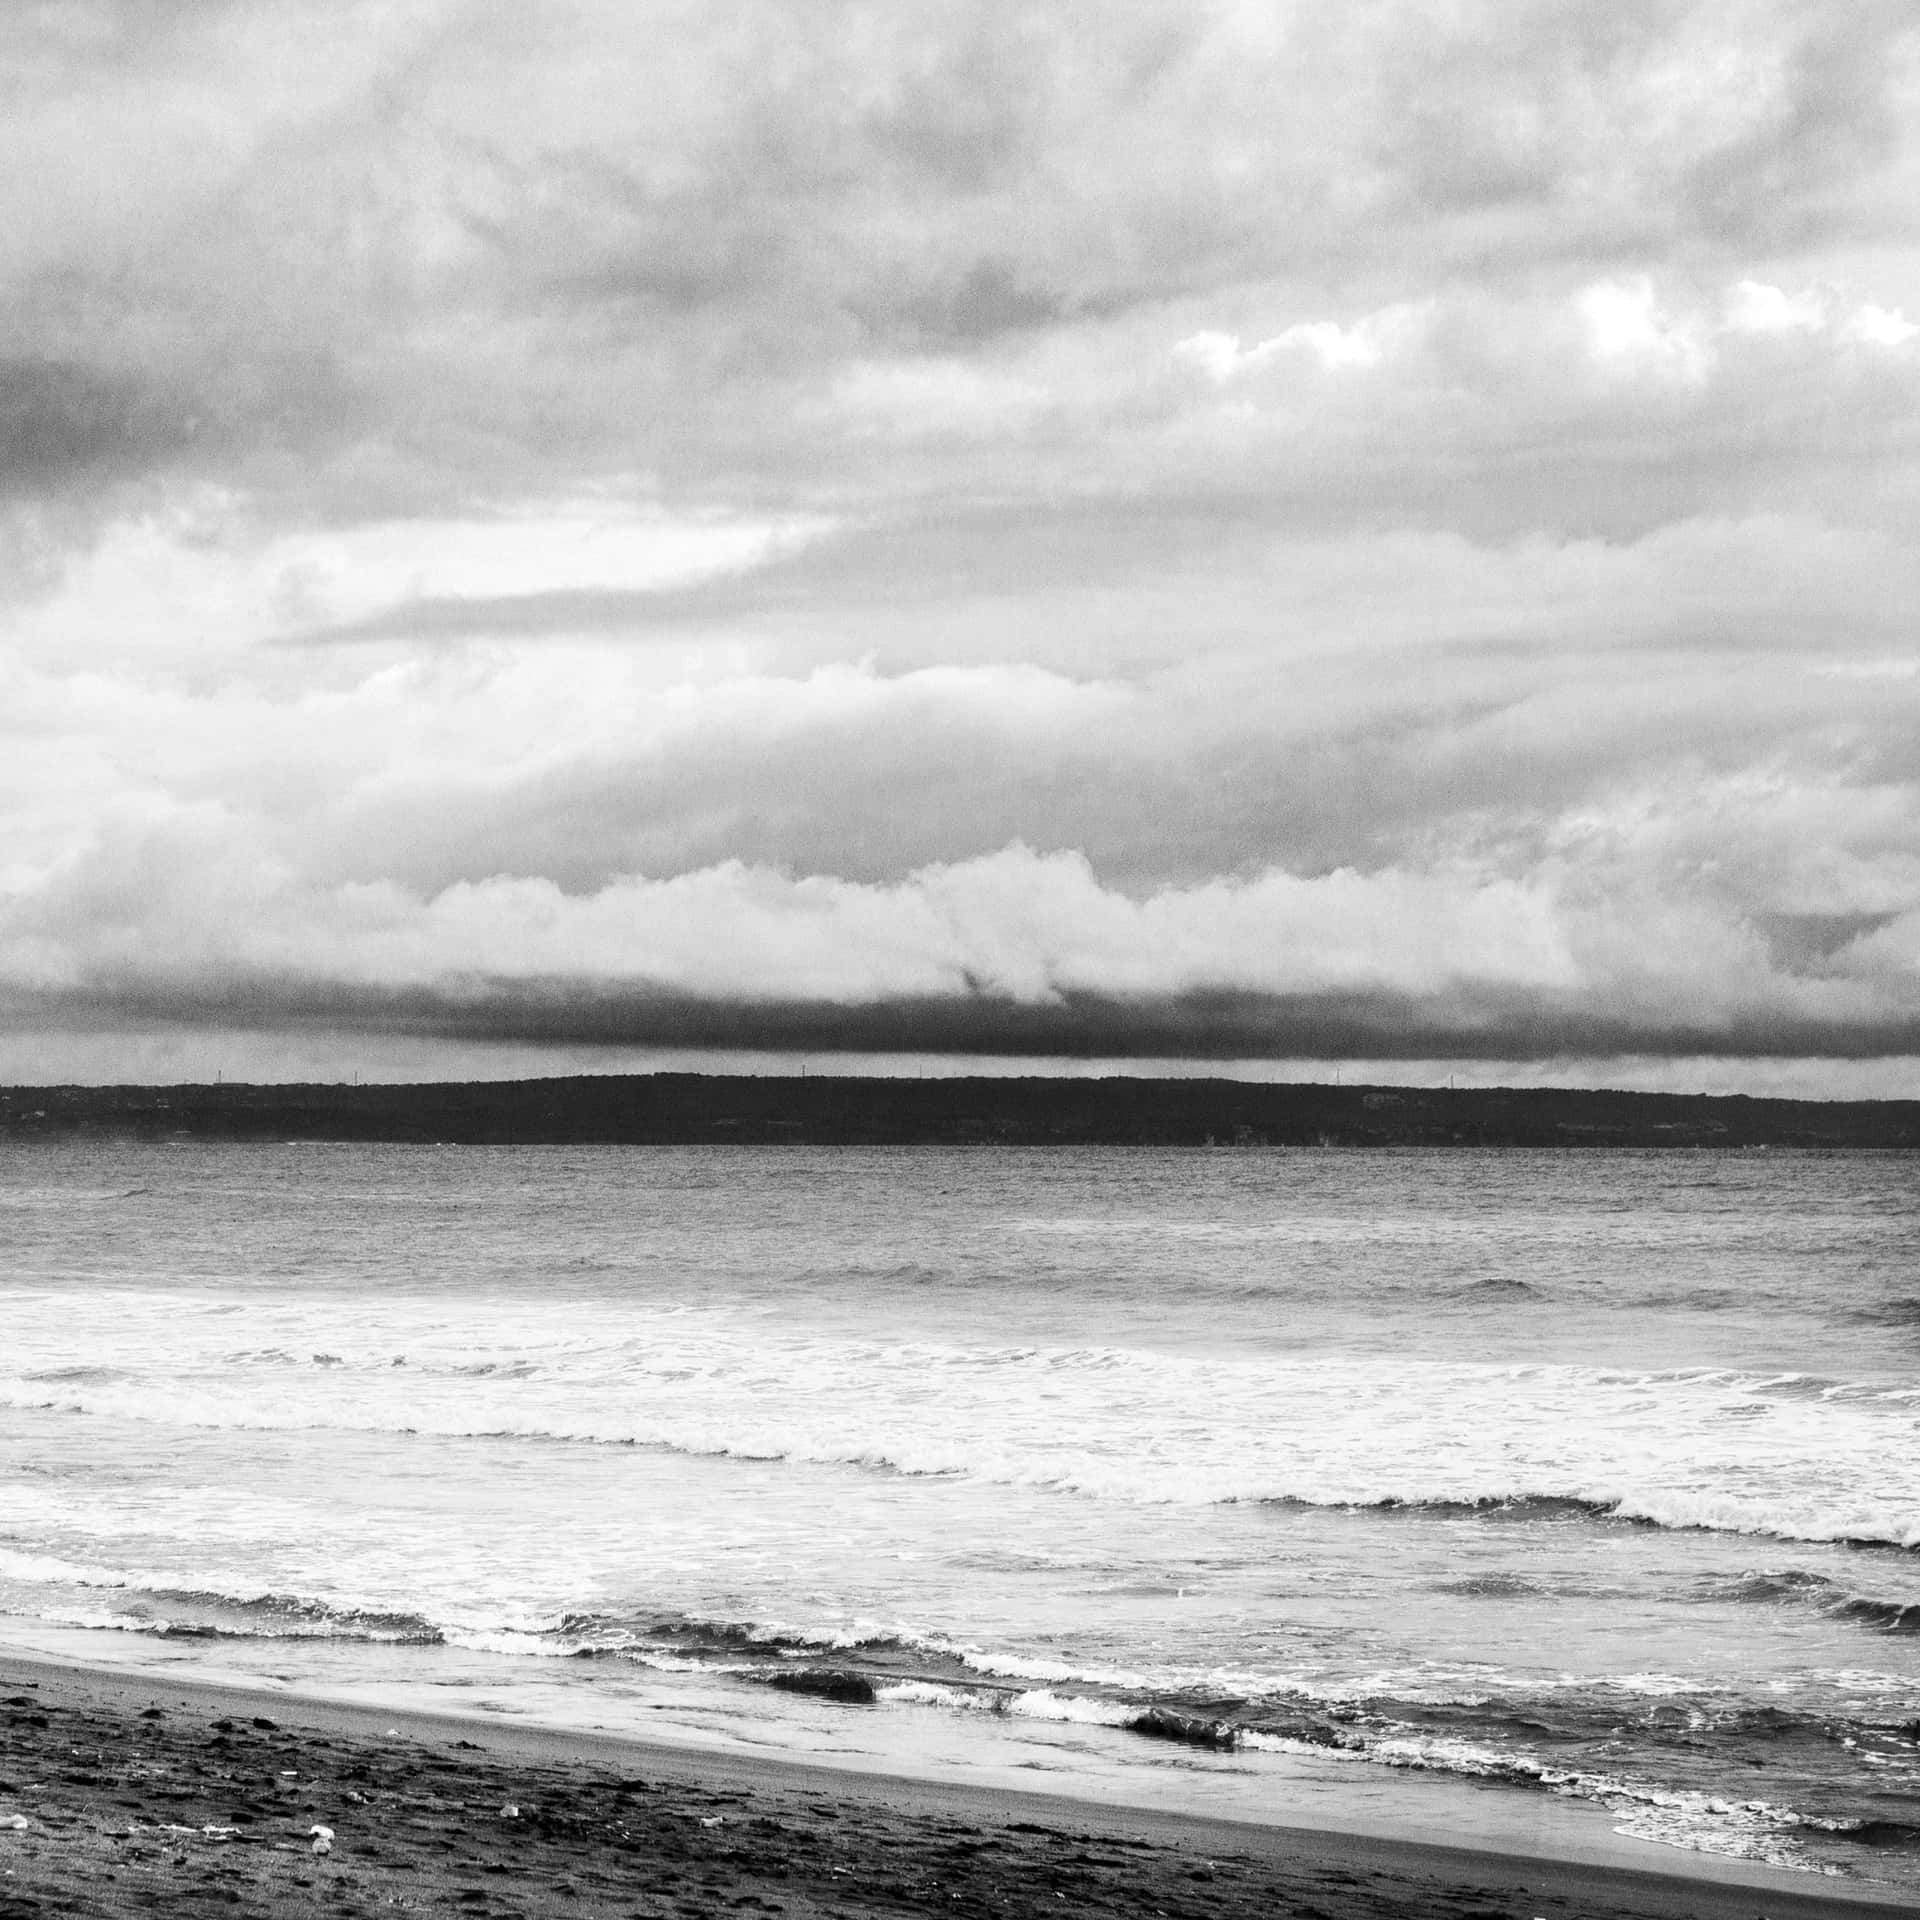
(678, 1109)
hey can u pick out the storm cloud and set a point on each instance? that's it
(1377, 530)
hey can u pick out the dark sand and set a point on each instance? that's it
(123, 1793)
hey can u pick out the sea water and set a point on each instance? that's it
(1592, 1475)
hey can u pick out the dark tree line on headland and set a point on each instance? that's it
(681, 1109)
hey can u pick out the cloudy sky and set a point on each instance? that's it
(1385, 530)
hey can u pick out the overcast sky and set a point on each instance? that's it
(1386, 529)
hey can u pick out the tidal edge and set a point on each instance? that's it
(130, 1792)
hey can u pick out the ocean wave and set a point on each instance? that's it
(53, 1199)
(52, 1570)
(728, 1639)
(1501, 1744)
(287, 1627)
(1223, 1708)
(1901, 1312)
(1887, 1616)
(1836, 1514)
(1578, 1739)
(1801, 1587)
(151, 1603)
(1874, 1833)
(1699, 1822)
(1688, 1512)
(1793, 1455)
(286, 1615)
(1515, 1506)
(1492, 1586)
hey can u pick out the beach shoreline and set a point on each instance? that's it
(144, 1790)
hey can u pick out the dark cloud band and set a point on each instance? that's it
(1214, 1026)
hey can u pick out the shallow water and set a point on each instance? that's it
(1594, 1474)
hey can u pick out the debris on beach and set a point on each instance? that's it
(322, 1839)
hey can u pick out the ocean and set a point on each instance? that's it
(1581, 1477)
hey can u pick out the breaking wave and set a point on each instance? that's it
(1799, 1587)
(1791, 1456)
(1651, 1751)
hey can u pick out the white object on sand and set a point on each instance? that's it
(322, 1839)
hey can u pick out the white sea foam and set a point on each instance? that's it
(1802, 1459)
(530, 1646)
(98, 1619)
(1043, 1704)
(1745, 1829)
(929, 1693)
(1701, 1822)
(1012, 1666)
(50, 1569)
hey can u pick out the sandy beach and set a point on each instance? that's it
(136, 1793)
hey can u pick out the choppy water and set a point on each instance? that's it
(1597, 1475)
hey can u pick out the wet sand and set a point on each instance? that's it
(129, 1793)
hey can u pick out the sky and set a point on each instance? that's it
(1376, 536)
